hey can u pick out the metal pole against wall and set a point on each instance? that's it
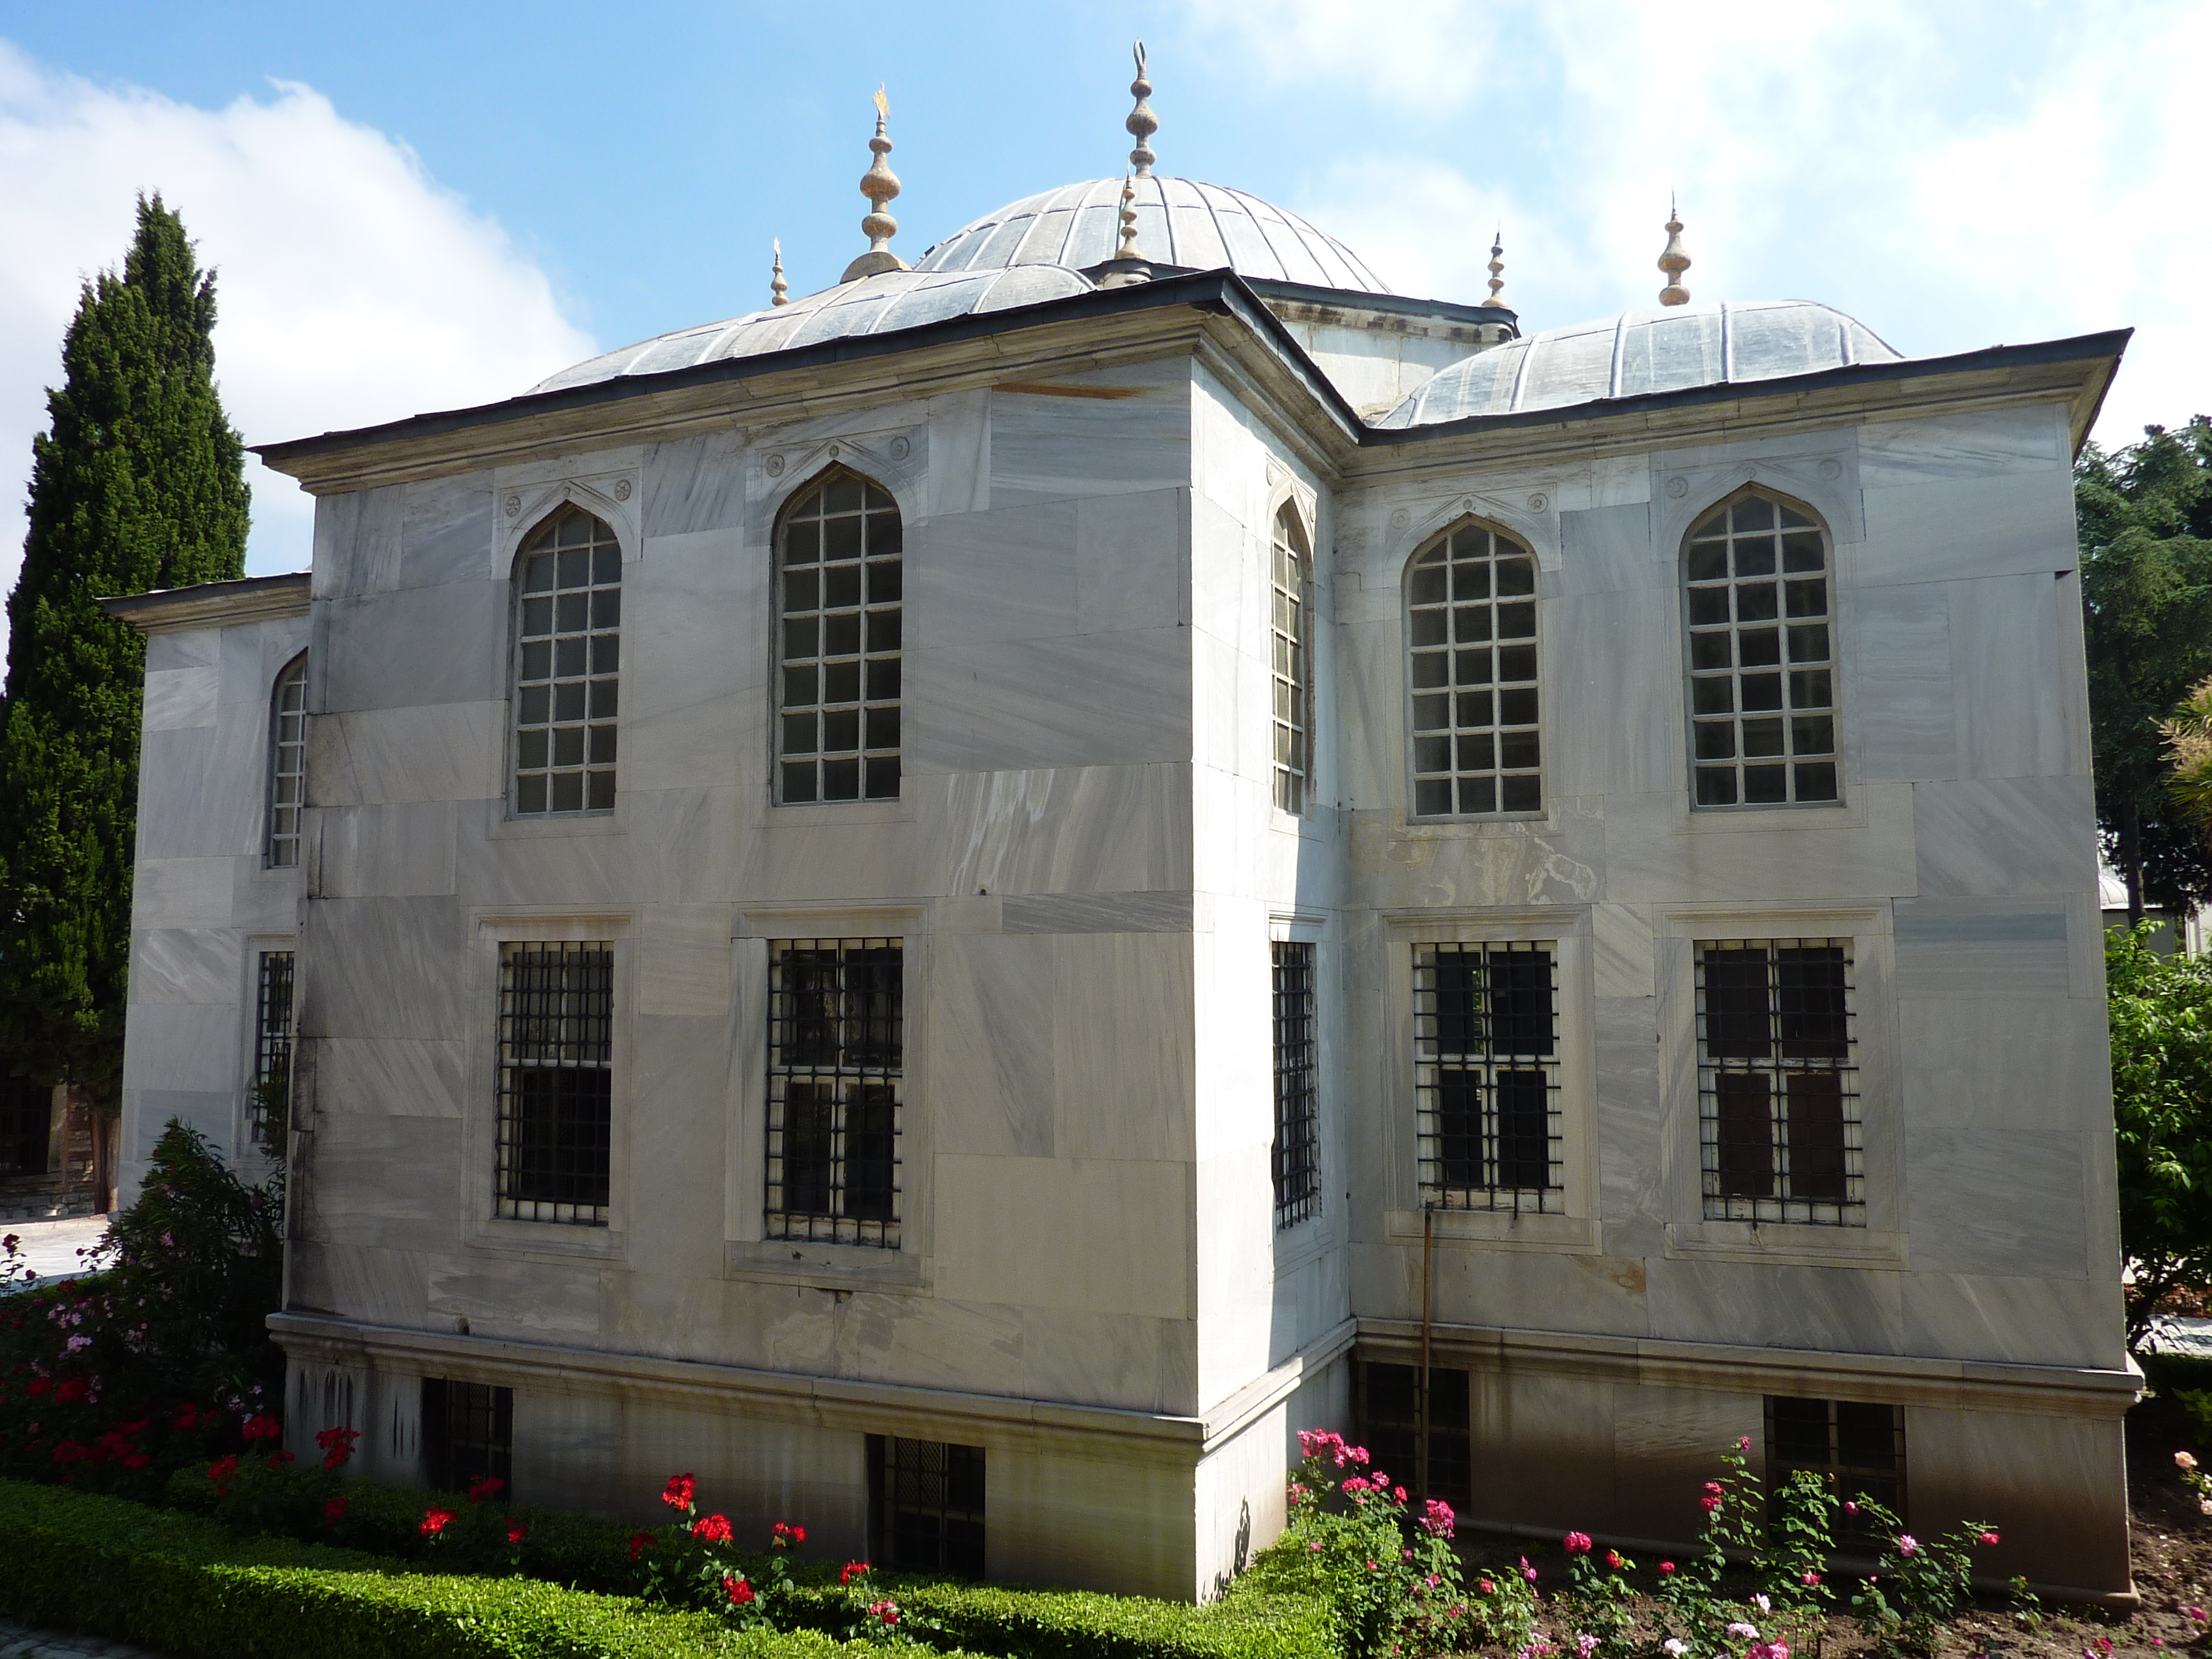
(1421, 1404)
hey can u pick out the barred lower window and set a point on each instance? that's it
(288, 763)
(836, 1038)
(556, 1006)
(1296, 1150)
(1777, 1082)
(272, 1050)
(1487, 1075)
(1857, 1445)
(1293, 665)
(1471, 630)
(929, 1505)
(468, 1433)
(1396, 1423)
(568, 666)
(1762, 656)
(839, 576)
(26, 1126)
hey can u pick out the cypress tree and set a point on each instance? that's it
(139, 483)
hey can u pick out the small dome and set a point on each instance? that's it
(1180, 222)
(1641, 352)
(881, 304)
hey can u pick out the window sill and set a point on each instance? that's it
(1501, 1230)
(825, 1266)
(503, 825)
(1304, 1242)
(1849, 812)
(840, 811)
(1783, 1243)
(503, 1236)
(1492, 822)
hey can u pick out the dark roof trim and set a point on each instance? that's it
(1220, 291)
(1449, 311)
(251, 599)
(2080, 348)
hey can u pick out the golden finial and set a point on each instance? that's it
(878, 184)
(1673, 261)
(1142, 123)
(1128, 250)
(778, 289)
(1497, 270)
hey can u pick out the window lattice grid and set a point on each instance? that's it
(1487, 1078)
(568, 666)
(288, 763)
(1297, 1140)
(931, 1499)
(1292, 628)
(1762, 656)
(1858, 1445)
(272, 1041)
(837, 727)
(556, 1082)
(836, 1041)
(1388, 1416)
(1471, 633)
(1779, 1123)
(468, 1432)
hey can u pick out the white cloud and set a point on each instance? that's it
(351, 288)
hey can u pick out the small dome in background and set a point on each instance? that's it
(1642, 352)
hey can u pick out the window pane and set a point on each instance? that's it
(1484, 1031)
(567, 631)
(836, 1047)
(1296, 1152)
(1475, 589)
(838, 588)
(288, 764)
(555, 1046)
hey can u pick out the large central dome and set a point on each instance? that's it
(1180, 222)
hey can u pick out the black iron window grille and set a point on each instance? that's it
(1762, 656)
(840, 575)
(1471, 631)
(468, 1432)
(835, 1044)
(272, 1050)
(557, 1005)
(1487, 1078)
(287, 763)
(929, 1505)
(1777, 1082)
(26, 1126)
(1389, 1415)
(568, 666)
(1293, 665)
(1297, 1139)
(1857, 1447)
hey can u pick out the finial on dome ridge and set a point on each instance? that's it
(1497, 272)
(1142, 123)
(1128, 250)
(778, 289)
(1673, 261)
(880, 185)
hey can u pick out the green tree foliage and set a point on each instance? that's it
(2161, 1021)
(2144, 515)
(140, 483)
(2189, 746)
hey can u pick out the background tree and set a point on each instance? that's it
(2144, 515)
(2189, 748)
(140, 483)
(2161, 1021)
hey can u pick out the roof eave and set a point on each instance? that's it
(214, 605)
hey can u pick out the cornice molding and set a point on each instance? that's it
(213, 604)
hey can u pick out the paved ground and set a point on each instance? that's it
(50, 1249)
(21, 1642)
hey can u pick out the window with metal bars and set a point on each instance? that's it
(1777, 1082)
(26, 1126)
(1297, 1149)
(929, 1505)
(568, 662)
(272, 1050)
(1294, 664)
(1486, 1076)
(1471, 638)
(1762, 656)
(839, 577)
(288, 763)
(557, 1005)
(1388, 1411)
(468, 1432)
(1857, 1446)
(836, 1045)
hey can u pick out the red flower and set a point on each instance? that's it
(489, 1485)
(72, 1387)
(334, 1511)
(39, 1386)
(223, 1467)
(784, 1534)
(68, 1451)
(278, 1460)
(886, 1611)
(516, 1531)
(137, 1461)
(1666, 1566)
(262, 1426)
(1576, 1543)
(187, 1417)
(1709, 1504)
(711, 1530)
(1987, 1538)
(737, 1590)
(1613, 1560)
(338, 1446)
(639, 1543)
(677, 1494)
(852, 1570)
(436, 1522)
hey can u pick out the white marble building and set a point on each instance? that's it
(1346, 841)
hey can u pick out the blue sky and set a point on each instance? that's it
(419, 206)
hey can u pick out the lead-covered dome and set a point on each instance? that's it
(881, 304)
(1180, 222)
(1641, 352)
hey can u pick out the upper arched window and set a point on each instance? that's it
(287, 763)
(1471, 634)
(1294, 664)
(1761, 656)
(839, 574)
(567, 659)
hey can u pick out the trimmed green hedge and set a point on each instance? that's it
(194, 1589)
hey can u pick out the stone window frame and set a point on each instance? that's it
(534, 755)
(281, 847)
(252, 946)
(1291, 747)
(1432, 538)
(1294, 977)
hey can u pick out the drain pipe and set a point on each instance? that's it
(1421, 1406)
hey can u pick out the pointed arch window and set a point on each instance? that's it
(1758, 607)
(1294, 664)
(1470, 639)
(839, 581)
(288, 763)
(568, 660)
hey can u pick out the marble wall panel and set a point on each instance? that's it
(186, 964)
(1614, 705)
(2000, 1064)
(1666, 1443)
(1133, 1364)
(448, 532)
(1607, 550)
(1966, 528)
(1650, 854)
(933, 1343)
(262, 900)
(1067, 830)
(1124, 1059)
(2055, 1490)
(2016, 1321)
(676, 1120)
(694, 483)
(1107, 1235)
(1091, 1524)
(1998, 837)
(1898, 722)
(383, 757)
(1047, 448)
(388, 968)
(959, 479)
(382, 1284)
(1753, 1304)
(250, 655)
(515, 1296)
(357, 537)
(1241, 1500)
(2022, 696)
(1367, 695)
(201, 791)
(196, 647)
(149, 1110)
(1098, 913)
(181, 699)
(694, 712)
(1982, 444)
(1982, 948)
(376, 1178)
(2026, 1214)
(1311, 1299)
(1473, 1283)
(1633, 1197)
(417, 646)
(812, 860)
(1562, 861)
(390, 1077)
(990, 1044)
(1132, 562)
(683, 961)
(401, 851)
(193, 1047)
(1543, 1448)
(1082, 700)
(979, 578)
(1625, 951)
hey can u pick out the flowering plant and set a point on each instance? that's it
(692, 1562)
(2195, 1479)
(1920, 1584)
